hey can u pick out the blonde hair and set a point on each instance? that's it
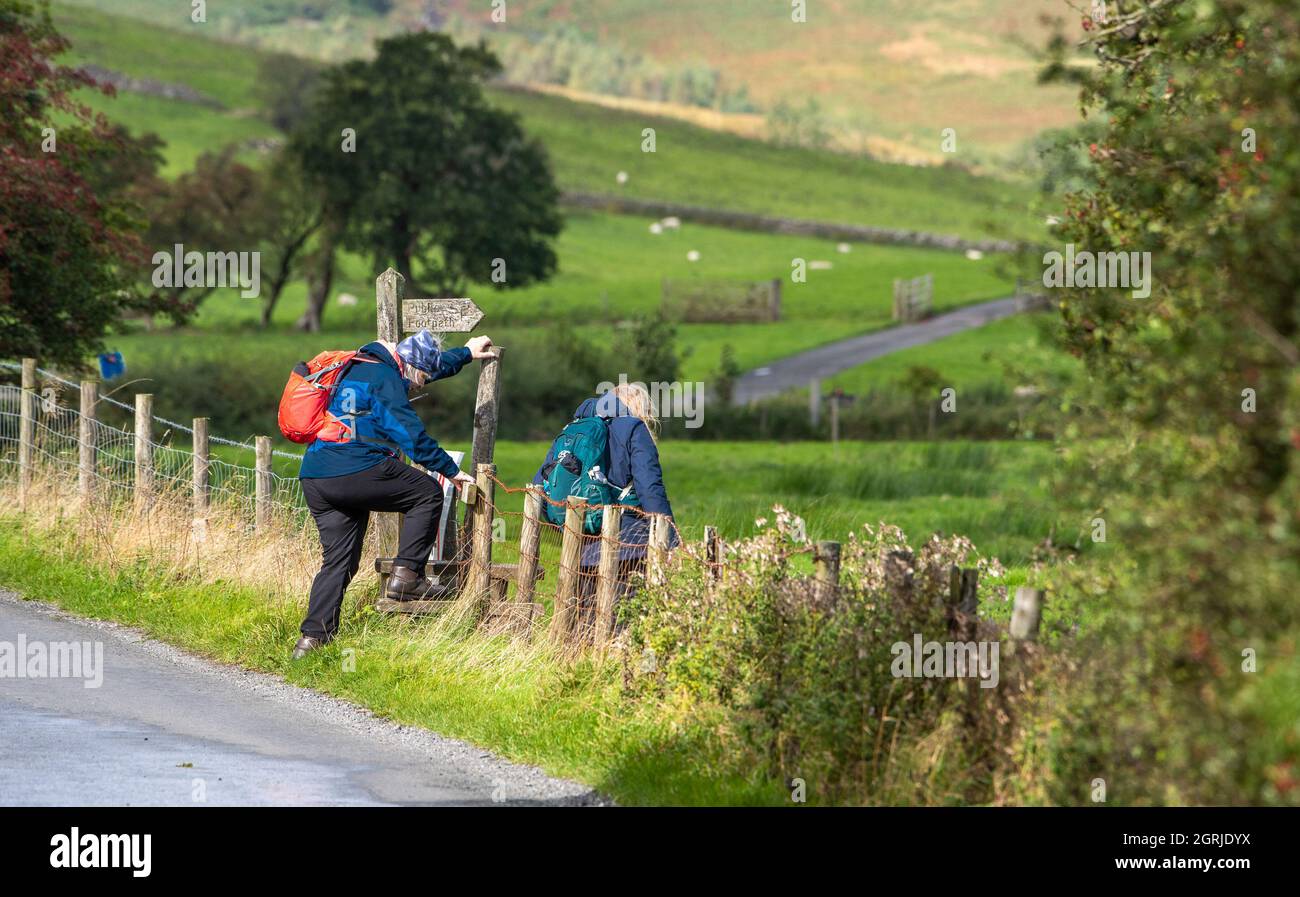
(636, 398)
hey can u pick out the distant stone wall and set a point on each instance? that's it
(151, 88)
(777, 225)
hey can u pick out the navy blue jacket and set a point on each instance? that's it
(634, 460)
(372, 398)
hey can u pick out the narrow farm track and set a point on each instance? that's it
(167, 728)
(795, 371)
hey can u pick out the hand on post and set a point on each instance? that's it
(480, 347)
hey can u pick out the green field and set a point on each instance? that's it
(610, 269)
(992, 492)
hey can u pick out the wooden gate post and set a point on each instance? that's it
(480, 573)
(144, 484)
(262, 489)
(567, 576)
(485, 423)
(607, 573)
(530, 537)
(202, 464)
(486, 407)
(27, 430)
(86, 444)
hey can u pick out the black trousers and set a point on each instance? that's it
(342, 507)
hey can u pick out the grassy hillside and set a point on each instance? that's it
(881, 71)
(589, 145)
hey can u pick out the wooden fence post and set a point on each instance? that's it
(262, 486)
(486, 406)
(530, 537)
(27, 430)
(144, 484)
(835, 420)
(826, 564)
(963, 603)
(567, 576)
(86, 444)
(202, 463)
(480, 573)
(657, 554)
(390, 290)
(713, 552)
(607, 573)
(814, 402)
(1026, 614)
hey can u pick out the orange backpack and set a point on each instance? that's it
(304, 406)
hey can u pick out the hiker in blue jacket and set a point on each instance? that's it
(633, 462)
(344, 482)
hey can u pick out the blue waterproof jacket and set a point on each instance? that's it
(633, 460)
(372, 398)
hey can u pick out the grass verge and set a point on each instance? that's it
(509, 697)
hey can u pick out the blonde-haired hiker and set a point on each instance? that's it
(631, 469)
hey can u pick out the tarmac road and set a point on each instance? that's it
(168, 728)
(794, 371)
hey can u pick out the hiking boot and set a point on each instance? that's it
(404, 584)
(305, 644)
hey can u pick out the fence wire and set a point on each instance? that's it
(57, 444)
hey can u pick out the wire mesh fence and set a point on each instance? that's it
(109, 461)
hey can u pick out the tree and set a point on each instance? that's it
(289, 215)
(285, 87)
(1198, 389)
(70, 249)
(216, 207)
(439, 183)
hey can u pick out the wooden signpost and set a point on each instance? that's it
(397, 316)
(440, 315)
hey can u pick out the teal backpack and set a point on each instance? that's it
(580, 459)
